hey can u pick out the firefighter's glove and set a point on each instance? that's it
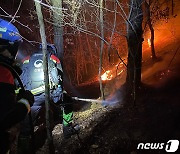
(25, 97)
(67, 97)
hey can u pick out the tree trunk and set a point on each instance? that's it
(134, 40)
(46, 76)
(58, 28)
(77, 72)
(101, 47)
(152, 41)
(149, 21)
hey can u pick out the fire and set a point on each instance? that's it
(114, 72)
(149, 42)
(120, 72)
(107, 75)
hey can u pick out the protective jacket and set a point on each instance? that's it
(11, 112)
(33, 80)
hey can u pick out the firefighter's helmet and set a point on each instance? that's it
(9, 37)
(51, 48)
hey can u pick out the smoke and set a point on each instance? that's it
(114, 99)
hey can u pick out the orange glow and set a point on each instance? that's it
(115, 71)
(120, 72)
(107, 76)
(149, 42)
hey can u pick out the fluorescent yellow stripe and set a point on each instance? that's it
(38, 90)
(26, 61)
(26, 103)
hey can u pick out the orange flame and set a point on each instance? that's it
(110, 74)
(107, 75)
(149, 42)
(120, 72)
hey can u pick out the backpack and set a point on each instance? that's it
(33, 75)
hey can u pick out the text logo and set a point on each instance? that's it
(170, 146)
(38, 63)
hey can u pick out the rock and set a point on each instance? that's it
(94, 146)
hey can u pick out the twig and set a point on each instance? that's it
(7, 16)
(5, 11)
(114, 26)
(10, 16)
(16, 11)
(26, 26)
(49, 6)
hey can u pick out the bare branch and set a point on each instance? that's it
(49, 6)
(16, 12)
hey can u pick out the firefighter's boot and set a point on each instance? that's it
(70, 130)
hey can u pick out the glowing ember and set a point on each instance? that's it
(149, 42)
(119, 64)
(107, 75)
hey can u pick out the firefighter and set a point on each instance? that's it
(13, 109)
(33, 79)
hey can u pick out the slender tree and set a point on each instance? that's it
(149, 22)
(58, 27)
(46, 75)
(134, 39)
(101, 45)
